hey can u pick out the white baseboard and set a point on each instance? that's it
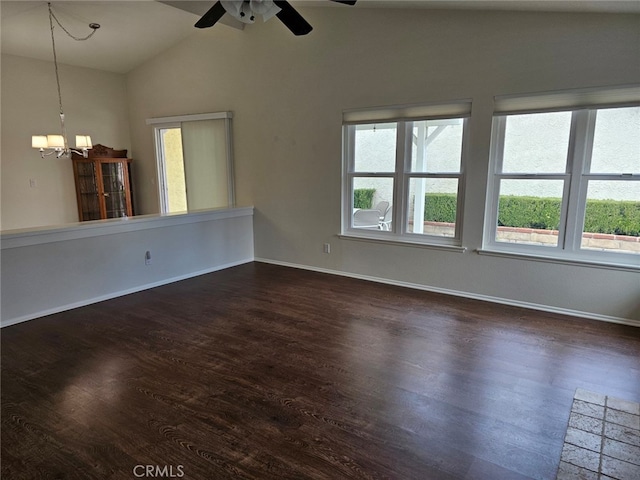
(499, 300)
(120, 293)
(457, 293)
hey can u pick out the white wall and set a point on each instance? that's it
(288, 93)
(94, 103)
(50, 270)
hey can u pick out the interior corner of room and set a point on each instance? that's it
(287, 95)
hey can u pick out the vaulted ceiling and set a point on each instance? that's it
(134, 31)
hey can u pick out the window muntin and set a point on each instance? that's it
(427, 164)
(600, 165)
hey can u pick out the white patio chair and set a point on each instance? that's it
(366, 218)
(385, 222)
(383, 206)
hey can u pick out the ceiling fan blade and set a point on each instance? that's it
(292, 19)
(346, 2)
(214, 14)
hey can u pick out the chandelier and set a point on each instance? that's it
(58, 144)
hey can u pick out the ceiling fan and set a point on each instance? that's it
(245, 11)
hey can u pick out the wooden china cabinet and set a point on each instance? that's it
(103, 184)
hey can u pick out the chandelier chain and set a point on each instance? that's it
(58, 144)
(55, 59)
(79, 39)
(52, 17)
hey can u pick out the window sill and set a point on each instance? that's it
(404, 243)
(563, 261)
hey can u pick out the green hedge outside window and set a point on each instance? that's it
(602, 216)
(363, 197)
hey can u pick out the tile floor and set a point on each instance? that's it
(602, 440)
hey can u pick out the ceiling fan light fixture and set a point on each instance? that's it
(238, 9)
(266, 8)
(246, 10)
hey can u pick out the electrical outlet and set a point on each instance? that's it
(326, 248)
(147, 258)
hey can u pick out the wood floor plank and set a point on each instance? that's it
(267, 372)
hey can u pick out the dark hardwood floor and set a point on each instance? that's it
(266, 372)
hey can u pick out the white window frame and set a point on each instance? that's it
(576, 177)
(161, 164)
(162, 123)
(403, 117)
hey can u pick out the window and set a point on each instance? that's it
(173, 184)
(566, 183)
(195, 167)
(403, 172)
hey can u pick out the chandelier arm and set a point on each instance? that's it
(44, 153)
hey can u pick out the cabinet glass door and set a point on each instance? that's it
(113, 181)
(89, 200)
